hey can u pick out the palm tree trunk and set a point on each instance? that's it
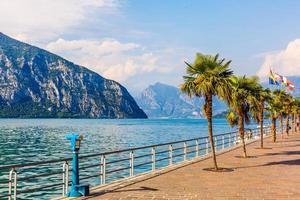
(242, 132)
(274, 128)
(298, 122)
(287, 124)
(208, 112)
(261, 121)
(281, 124)
(295, 123)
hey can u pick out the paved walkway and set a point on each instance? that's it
(272, 173)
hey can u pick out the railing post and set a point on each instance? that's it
(184, 151)
(103, 169)
(15, 185)
(223, 142)
(11, 186)
(216, 143)
(229, 139)
(65, 178)
(197, 148)
(206, 145)
(153, 158)
(170, 154)
(131, 163)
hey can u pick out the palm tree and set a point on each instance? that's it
(295, 112)
(280, 95)
(274, 108)
(298, 123)
(208, 76)
(287, 104)
(264, 96)
(244, 96)
(298, 115)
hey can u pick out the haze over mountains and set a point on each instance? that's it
(166, 101)
(37, 83)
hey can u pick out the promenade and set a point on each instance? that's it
(270, 173)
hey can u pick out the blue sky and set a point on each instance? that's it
(140, 42)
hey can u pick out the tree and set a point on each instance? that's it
(264, 97)
(287, 105)
(280, 95)
(208, 76)
(294, 111)
(244, 96)
(274, 108)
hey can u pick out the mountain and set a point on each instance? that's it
(37, 83)
(165, 101)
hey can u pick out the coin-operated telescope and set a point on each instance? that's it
(77, 190)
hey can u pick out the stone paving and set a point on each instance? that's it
(271, 173)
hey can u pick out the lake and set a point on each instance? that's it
(29, 140)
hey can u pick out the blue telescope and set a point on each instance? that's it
(76, 189)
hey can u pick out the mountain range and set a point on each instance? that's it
(37, 83)
(166, 101)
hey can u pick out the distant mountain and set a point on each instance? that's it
(165, 101)
(37, 83)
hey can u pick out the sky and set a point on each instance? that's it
(140, 42)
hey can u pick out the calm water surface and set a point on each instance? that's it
(29, 140)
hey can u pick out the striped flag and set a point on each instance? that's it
(273, 79)
(290, 85)
(276, 79)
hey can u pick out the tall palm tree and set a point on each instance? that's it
(280, 95)
(244, 96)
(287, 104)
(274, 108)
(264, 96)
(295, 111)
(208, 76)
(298, 115)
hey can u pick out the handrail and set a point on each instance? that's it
(30, 164)
(122, 164)
(110, 152)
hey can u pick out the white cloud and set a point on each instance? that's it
(109, 57)
(285, 62)
(38, 20)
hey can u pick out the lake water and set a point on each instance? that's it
(29, 140)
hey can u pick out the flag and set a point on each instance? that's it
(291, 88)
(272, 79)
(278, 77)
(284, 80)
(290, 85)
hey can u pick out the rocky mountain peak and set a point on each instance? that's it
(37, 83)
(165, 101)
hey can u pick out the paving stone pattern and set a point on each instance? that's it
(271, 173)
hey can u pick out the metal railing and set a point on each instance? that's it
(52, 176)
